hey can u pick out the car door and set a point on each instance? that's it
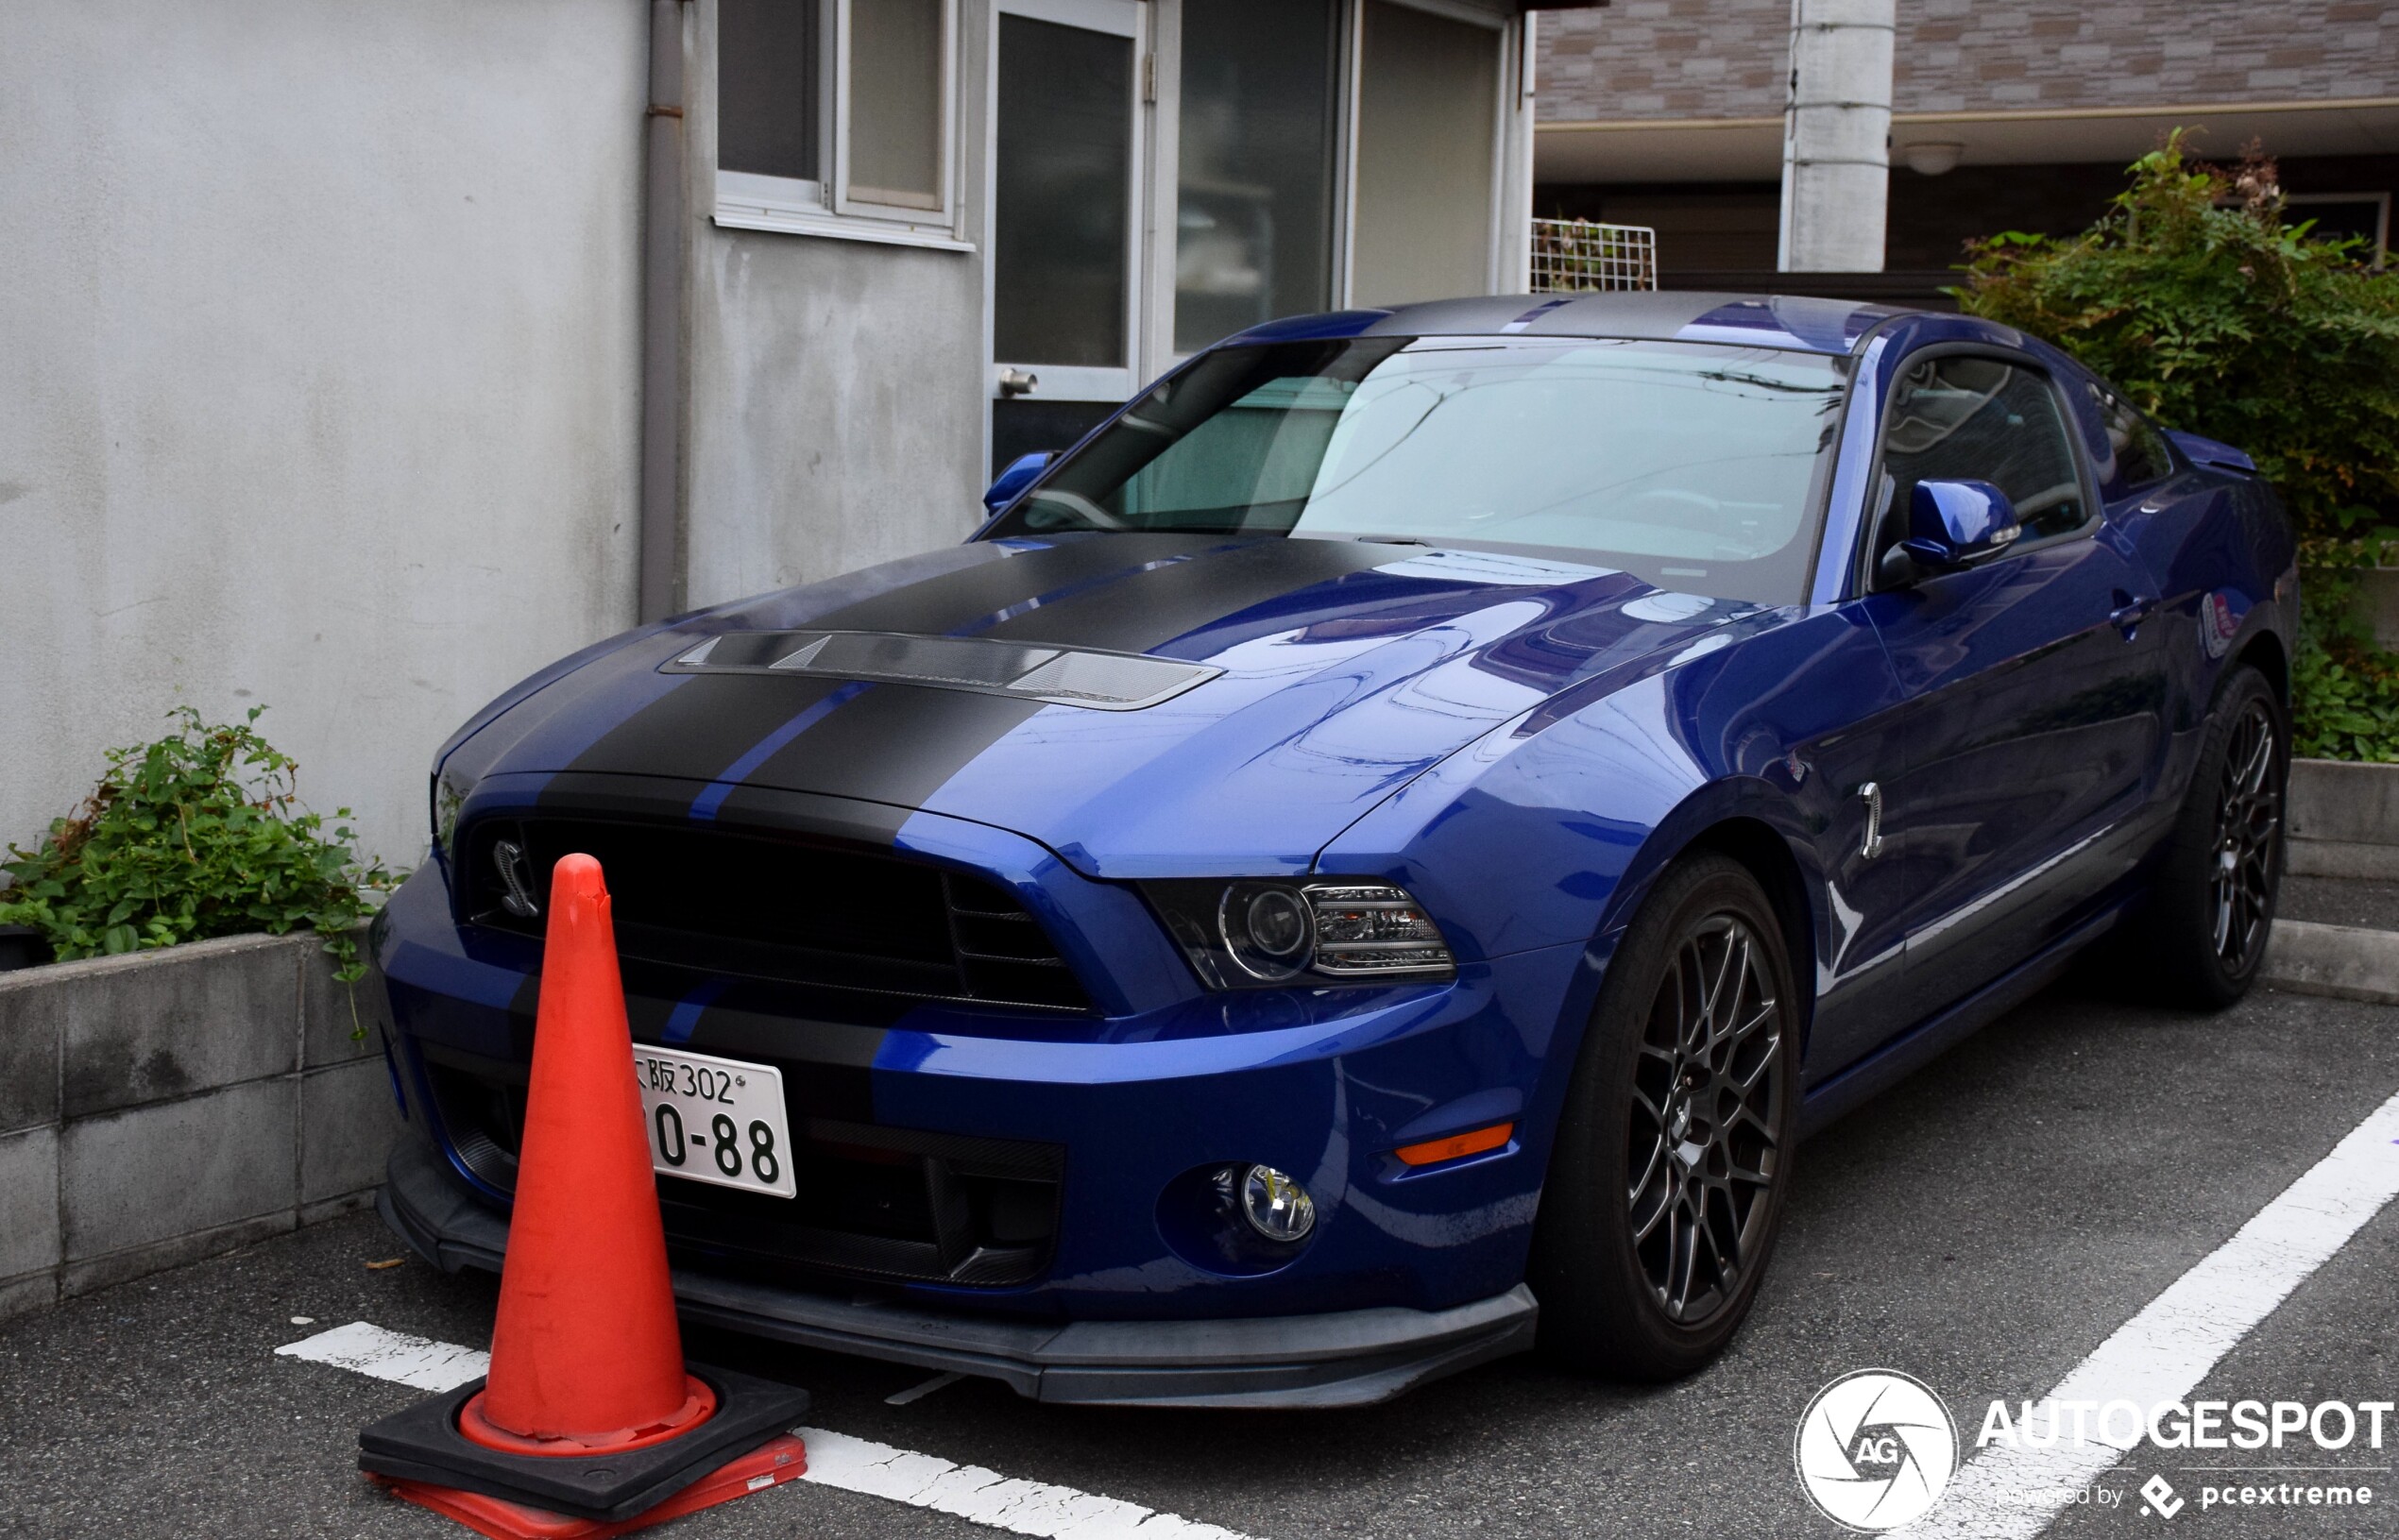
(2030, 725)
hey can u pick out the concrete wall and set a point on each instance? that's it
(837, 396)
(168, 1106)
(321, 353)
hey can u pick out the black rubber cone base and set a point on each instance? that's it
(422, 1444)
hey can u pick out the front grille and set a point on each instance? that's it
(874, 1203)
(751, 905)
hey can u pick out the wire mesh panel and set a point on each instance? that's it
(1578, 256)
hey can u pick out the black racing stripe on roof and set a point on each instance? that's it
(1646, 316)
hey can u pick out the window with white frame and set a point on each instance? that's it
(836, 117)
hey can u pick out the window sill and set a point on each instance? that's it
(733, 215)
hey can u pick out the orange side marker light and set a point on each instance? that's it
(1434, 1151)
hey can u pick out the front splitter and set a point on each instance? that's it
(1340, 1358)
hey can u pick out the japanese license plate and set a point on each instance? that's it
(715, 1119)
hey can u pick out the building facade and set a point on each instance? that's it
(2016, 115)
(364, 358)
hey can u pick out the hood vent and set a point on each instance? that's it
(1060, 676)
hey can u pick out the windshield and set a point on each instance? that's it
(1692, 466)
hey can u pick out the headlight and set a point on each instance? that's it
(1254, 934)
(449, 789)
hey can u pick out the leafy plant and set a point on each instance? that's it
(2195, 297)
(200, 834)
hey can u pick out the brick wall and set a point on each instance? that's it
(1712, 59)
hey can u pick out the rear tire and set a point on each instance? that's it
(1666, 1188)
(2202, 932)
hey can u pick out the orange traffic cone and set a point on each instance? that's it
(590, 1423)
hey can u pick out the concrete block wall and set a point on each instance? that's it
(168, 1106)
(2343, 820)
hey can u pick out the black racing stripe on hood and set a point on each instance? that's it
(889, 743)
(900, 743)
(1152, 608)
(897, 744)
(701, 734)
(696, 731)
(970, 597)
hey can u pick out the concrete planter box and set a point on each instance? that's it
(2344, 819)
(2376, 601)
(167, 1106)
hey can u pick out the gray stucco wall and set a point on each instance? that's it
(836, 410)
(319, 349)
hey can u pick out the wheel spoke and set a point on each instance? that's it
(1650, 1168)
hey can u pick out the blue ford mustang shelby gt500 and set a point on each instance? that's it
(1382, 849)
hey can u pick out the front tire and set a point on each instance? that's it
(1666, 1188)
(2211, 905)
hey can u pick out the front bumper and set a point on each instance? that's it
(1339, 1358)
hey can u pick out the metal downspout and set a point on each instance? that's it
(663, 241)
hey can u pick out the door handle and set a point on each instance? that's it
(2128, 613)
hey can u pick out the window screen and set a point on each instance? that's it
(895, 102)
(767, 74)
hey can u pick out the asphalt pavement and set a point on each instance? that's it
(1982, 1227)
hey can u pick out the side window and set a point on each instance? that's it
(1982, 419)
(2142, 458)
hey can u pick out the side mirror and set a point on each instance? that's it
(1020, 474)
(1951, 524)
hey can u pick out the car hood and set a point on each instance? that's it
(1331, 673)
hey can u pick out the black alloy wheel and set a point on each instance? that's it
(1667, 1181)
(2249, 806)
(1707, 1102)
(2202, 933)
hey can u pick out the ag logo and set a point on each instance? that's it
(1875, 1450)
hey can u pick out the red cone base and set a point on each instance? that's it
(699, 1405)
(784, 1460)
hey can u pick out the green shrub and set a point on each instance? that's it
(198, 835)
(2196, 298)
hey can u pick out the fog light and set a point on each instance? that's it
(1275, 1206)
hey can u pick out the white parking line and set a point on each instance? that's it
(366, 1348)
(837, 1460)
(985, 1496)
(2162, 1353)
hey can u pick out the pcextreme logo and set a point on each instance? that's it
(1875, 1450)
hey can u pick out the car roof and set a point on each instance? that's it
(1787, 321)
